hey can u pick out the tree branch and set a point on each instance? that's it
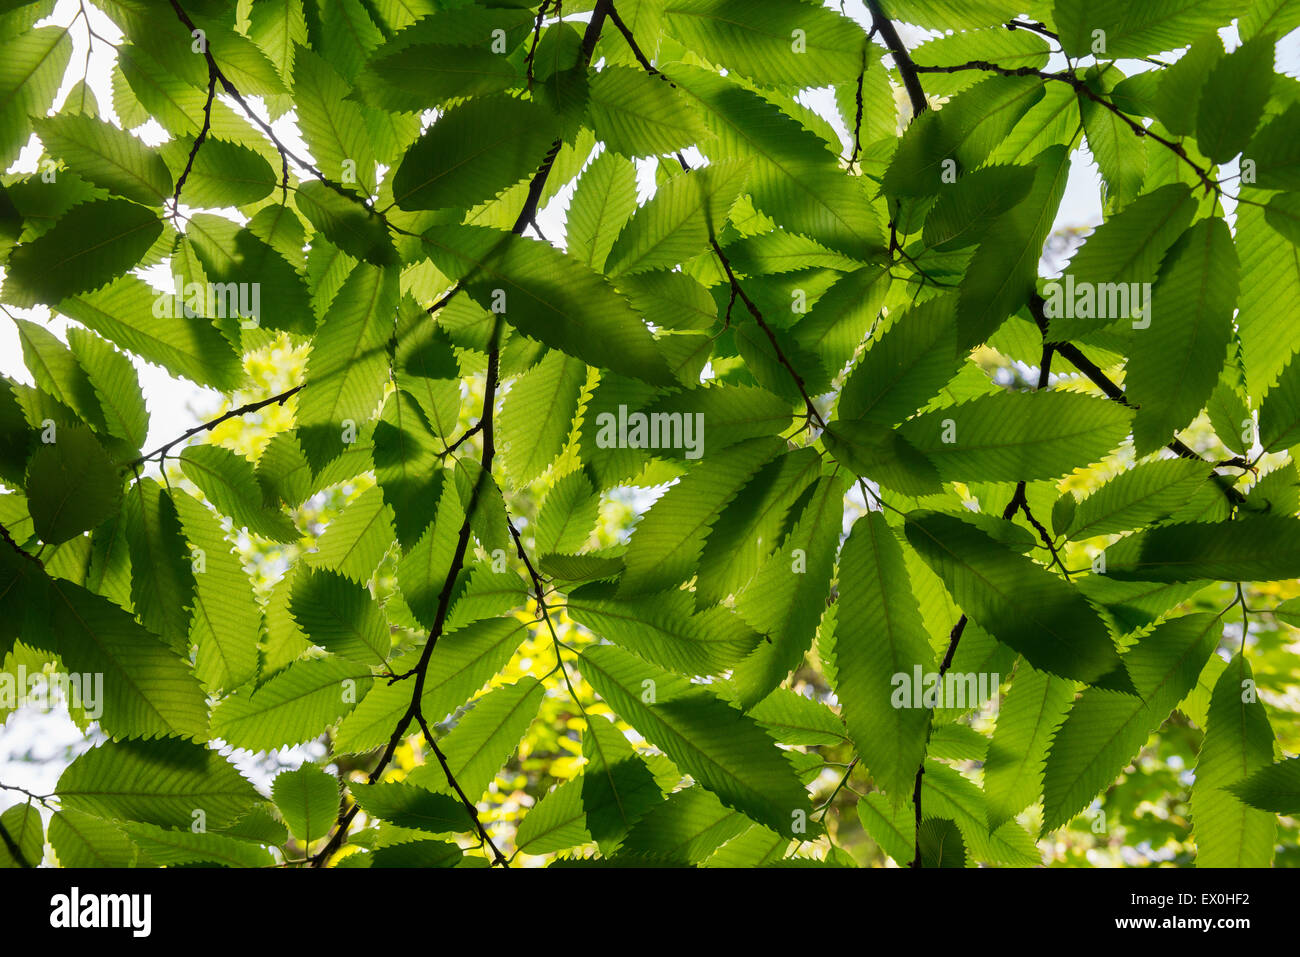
(414, 712)
(162, 450)
(1075, 356)
(198, 141)
(902, 58)
(1082, 88)
(285, 153)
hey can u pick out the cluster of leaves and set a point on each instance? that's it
(875, 496)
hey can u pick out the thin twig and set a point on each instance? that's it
(211, 424)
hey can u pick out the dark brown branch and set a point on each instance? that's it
(1075, 356)
(13, 848)
(902, 58)
(233, 92)
(811, 410)
(537, 34)
(1033, 26)
(857, 122)
(738, 291)
(211, 424)
(1082, 88)
(414, 712)
(497, 856)
(631, 42)
(198, 142)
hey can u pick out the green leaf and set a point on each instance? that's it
(407, 805)
(484, 739)
(162, 782)
(1283, 214)
(637, 114)
(666, 545)
(772, 44)
(1275, 153)
(567, 515)
(549, 297)
(1174, 365)
(30, 75)
(786, 598)
(617, 788)
(1279, 415)
(792, 718)
(962, 214)
(162, 579)
(905, 365)
(422, 573)
(227, 620)
(1120, 155)
(1182, 85)
(229, 483)
(880, 635)
(1126, 249)
(963, 133)
(1027, 718)
(685, 829)
(59, 373)
(1233, 98)
(466, 659)
(116, 384)
(348, 365)
(556, 822)
(224, 173)
(107, 157)
(886, 456)
(1254, 548)
(602, 203)
(717, 745)
(678, 222)
(941, 14)
(22, 826)
(1238, 742)
(164, 847)
(127, 312)
(1002, 272)
(83, 840)
(1104, 730)
(473, 152)
(793, 177)
(309, 800)
(892, 826)
(292, 707)
(348, 223)
(72, 485)
(418, 854)
(1143, 495)
(332, 124)
(1014, 436)
(1016, 601)
(90, 245)
(662, 630)
(1007, 48)
(340, 616)
(537, 415)
(1274, 788)
(423, 74)
(1137, 31)
(1270, 281)
(408, 466)
(946, 792)
(233, 259)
